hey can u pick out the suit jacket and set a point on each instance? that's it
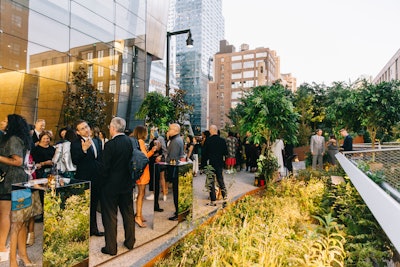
(317, 144)
(215, 150)
(87, 166)
(116, 168)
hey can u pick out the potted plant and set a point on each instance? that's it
(267, 165)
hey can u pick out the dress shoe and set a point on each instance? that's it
(212, 204)
(97, 233)
(105, 251)
(173, 218)
(158, 209)
(128, 247)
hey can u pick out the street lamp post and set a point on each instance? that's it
(189, 43)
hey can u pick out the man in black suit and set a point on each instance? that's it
(86, 154)
(215, 150)
(40, 125)
(116, 187)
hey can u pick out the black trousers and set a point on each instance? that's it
(173, 177)
(94, 201)
(110, 202)
(220, 180)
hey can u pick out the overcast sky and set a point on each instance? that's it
(318, 40)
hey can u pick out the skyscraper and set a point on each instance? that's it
(193, 65)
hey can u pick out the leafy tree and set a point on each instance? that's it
(378, 106)
(83, 101)
(268, 114)
(157, 110)
(303, 105)
(341, 108)
(181, 107)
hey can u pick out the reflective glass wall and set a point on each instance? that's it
(43, 41)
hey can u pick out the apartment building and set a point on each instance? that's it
(235, 73)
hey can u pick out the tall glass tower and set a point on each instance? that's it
(193, 65)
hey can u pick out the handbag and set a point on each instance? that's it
(21, 199)
(21, 205)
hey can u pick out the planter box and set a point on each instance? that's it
(385, 209)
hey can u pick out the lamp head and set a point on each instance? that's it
(189, 40)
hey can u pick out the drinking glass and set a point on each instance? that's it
(29, 168)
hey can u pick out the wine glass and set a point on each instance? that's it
(29, 168)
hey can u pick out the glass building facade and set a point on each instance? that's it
(43, 41)
(193, 65)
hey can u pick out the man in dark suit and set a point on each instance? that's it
(116, 187)
(40, 125)
(347, 142)
(215, 150)
(86, 154)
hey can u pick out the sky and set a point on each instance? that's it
(318, 41)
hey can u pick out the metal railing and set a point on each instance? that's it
(385, 160)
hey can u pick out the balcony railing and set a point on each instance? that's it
(381, 198)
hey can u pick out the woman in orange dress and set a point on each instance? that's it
(140, 133)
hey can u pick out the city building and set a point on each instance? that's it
(235, 73)
(289, 81)
(391, 71)
(193, 65)
(43, 42)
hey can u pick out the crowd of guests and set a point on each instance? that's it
(89, 154)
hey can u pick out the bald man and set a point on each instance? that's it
(215, 150)
(174, 152)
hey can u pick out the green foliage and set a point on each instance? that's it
(83, 101)
(378, 106)
(268, 114)
(66, 239)
(185, 191)
(157, 110)
(366, 242)
(267, 165)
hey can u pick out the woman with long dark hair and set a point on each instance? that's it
(13, 147)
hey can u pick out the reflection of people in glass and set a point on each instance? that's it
(116, 187)
(13, 147)
(175, 153)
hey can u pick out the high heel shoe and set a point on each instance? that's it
(140, 224)
(30, 239)
(165, 197)
(5, 255)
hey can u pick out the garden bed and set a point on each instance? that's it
(299, 222)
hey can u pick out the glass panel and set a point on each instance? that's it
(14, 56)
(248, 64)
(55, 9)
(237, 65)
(103, 8)
(137, 7)
(91, 24)
(57, 40)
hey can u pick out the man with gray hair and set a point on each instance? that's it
(116, 187)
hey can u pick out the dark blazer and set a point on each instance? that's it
(116, 167)
(214, 151)
(87, 166)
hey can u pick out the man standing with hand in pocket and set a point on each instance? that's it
(86, 154)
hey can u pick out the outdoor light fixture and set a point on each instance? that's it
(189, 44)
